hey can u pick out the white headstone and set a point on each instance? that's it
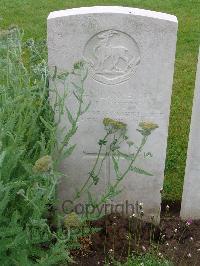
(130, 53)
(190, 207)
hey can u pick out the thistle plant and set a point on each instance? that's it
(30, 153)
(110, 145)
(72, 86)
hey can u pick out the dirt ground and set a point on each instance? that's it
(176, 240)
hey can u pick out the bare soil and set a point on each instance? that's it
(176, 240)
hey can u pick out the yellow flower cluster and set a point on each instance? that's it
(114, 123)
(43, 164)
(71, 220)
(148, 125)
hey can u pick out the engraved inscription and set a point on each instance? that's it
(112, 56)
(128, 108)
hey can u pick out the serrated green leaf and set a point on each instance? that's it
(70, 117)
(69, 151)
(116, 166)
(141, 171)
(77, 97)
(126, 156)
(46, 124)
(86, 108)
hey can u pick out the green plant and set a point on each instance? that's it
(30, 231)
(110, 146)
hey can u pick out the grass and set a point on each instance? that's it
(31, 16)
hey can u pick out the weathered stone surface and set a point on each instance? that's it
(130, 53)
(190, 207)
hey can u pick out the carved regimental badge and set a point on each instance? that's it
(112, 56)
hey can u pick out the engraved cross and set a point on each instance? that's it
(105, 160)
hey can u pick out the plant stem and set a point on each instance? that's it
(93, 169)
(144, 139)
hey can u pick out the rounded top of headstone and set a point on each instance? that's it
(113, 10)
